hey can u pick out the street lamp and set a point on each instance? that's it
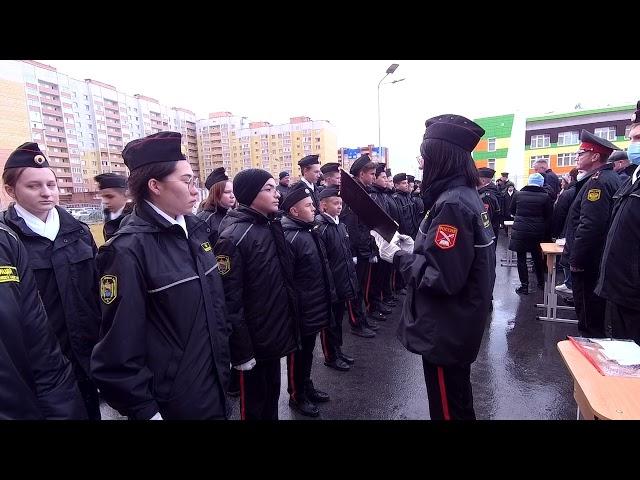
(390, 70)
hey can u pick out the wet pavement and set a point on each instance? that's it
(519, 373)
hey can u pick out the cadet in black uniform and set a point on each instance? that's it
(619, 281)
(218, 202)
(416, 198)
(283, 185)
(113, 191)
(451, 272)
(408, 219)
(62, 256)
(586, 233)
(310, 169)
(256, 270)
(489, 195)
(37, 380)
(336, 239)
(331, 174)
(315, 290)
(164, 340)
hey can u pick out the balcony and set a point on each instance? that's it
(48, 90)
(56, 141)
(111, 123)
(48, 101)
(111, 114)
(54, 111)
(53, 155)
(53, 123)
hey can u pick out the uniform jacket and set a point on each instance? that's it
(111, 226)
(532, 209)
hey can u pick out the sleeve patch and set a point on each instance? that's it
(593, 195)
(446, 236)
(224, 264)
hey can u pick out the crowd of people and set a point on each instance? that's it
(176, 312)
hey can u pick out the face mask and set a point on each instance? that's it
(634, 153)
(581, 175)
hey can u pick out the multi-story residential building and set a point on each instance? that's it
(347, 155)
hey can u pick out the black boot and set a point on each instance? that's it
(304, 407)
(346, 358)
(523, 289)
(313, 394)
(338, 364)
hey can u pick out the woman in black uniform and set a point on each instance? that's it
(164, 340)
(61, 254)
(37, 380)
(451, 272)
(220, 199)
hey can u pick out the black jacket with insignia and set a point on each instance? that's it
(619, 280)
(257, 273)
(336, 240)
(489, 196)
(450, 277)
(37, 380)
(362, 243)
(312, 277)
(213, 218)
(589, 217)
(112, 225)
(67, 278)
(164, 336)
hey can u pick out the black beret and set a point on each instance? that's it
(399, 177)
(388, 172)
(157, 148)
(361, 161)
(248, 183)
(635, 118)
(217, 175)
(27, 155)
(309, 160)
(486, 172)
(380, 167)
(329, 167)
(329, 192)
(298, 193)
(411, 178)
(505, 174)
(454, 129)
(110, 180)
(599, 145)
(283, 175)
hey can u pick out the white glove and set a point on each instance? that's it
(405, 243)
(373, 259)
(387, 250)
(157, 416)
(355, 260)
(247, 365)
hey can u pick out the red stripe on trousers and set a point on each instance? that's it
(291, 378)
(366, 291)
(443, 394)
(352, 320)
(393, 281)
(325, 347)
(242, 401)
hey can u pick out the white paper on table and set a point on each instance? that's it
(625, 353)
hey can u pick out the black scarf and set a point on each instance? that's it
(435, 189)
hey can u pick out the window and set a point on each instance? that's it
(567, 159)
(568, 138)
(540, 141)
(608, 133)
(86, 97)
(491, 146)
(491, 163)
(627, 129)
(535, 158)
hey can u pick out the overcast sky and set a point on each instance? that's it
(345, 91)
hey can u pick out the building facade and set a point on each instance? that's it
(348, 155)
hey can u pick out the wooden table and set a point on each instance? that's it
(599, 396)
(551, 250)
(510, 258)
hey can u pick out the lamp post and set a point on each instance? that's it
(390, 70)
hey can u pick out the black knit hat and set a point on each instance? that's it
(218, 175)
(635, 118)
(157, 148)
(27, 155)
(248, 183)
(454, 129)
(110, 180)
(298, 193)
(283, 174)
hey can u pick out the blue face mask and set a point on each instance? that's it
(634, 153)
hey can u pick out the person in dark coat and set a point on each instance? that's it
(451, 273)
(619, 281)
(364, 251)
(257, 273)
(61, 254)
(621, 165)
(218, 202)
(310, 170)
(416, 198)
(164, 340)
(559, 223)
(112, 188)
(532, 209)
(315, 291)
(37, 380)
(336, 240)
(408, 224)
(587, 226)
(331, 173)
(508, 195)
(489, 195)
(283, 185)
(551, 180)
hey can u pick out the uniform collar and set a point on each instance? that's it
(179, 220)
(635, 175)
(310, 185)
(48, 229)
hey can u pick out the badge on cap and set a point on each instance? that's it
(593, 195)
(39, 159)
(446, 237)
(108, 288)
(224, 264)
(183, 149)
